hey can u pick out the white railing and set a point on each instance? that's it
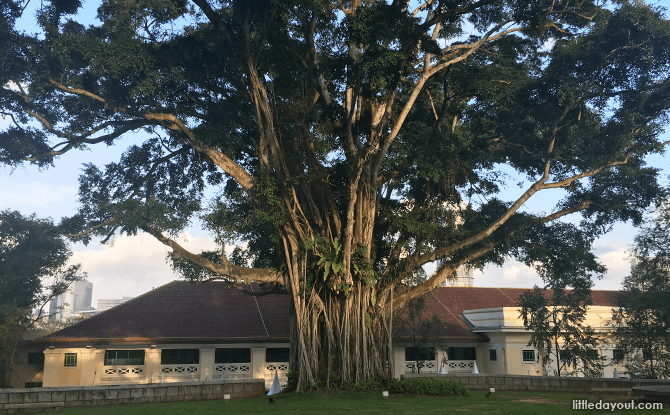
(460, 366)
(279, 367)
(180, 369)
(126, 371)
(236, 368)
(427, 366)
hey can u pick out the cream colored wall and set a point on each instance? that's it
(152, 364)
(206, 363)
(509, 346)
(398, 361)
(90, 369)
(22, 372)
(57, 374)
(507, 335)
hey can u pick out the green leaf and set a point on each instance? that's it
(326, 271)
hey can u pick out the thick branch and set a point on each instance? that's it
(223, 161)
(420, 260)
(88, 94)
(72, 141)
(226, 269)
(437, 279)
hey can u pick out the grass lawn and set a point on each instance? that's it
(351, 403)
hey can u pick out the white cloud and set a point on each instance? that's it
(131, 265)
(37, 194)
(617, 262)
(512, 274)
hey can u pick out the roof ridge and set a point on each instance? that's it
(259, 311)
(508, 297)
(450, 312)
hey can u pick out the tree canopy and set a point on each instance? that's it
(349, 143)
(33, 260)
(33, 269)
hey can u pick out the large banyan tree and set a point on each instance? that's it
(349, 144)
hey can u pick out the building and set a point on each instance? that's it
(178, 332)
(75, 300)
(107, 303)
(462, 277)
(185, 331)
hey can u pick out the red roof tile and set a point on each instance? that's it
(449, 302)
(215, 311)
(185, 310)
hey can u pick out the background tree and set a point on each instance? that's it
(555, 314)
(348, 143)
(33, 269)
(558, 332)
(642, 322)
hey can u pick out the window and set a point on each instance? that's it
(593, 354)
(232, 356)
(277, 355)
(33, 385)
(462, 353)
(646, 354)
(618, 354)
(493, 355)
(124, 357)
(419, 353)
(180, 356)
(70, 360)
(566, 355)
(35, 359)
(528, 356)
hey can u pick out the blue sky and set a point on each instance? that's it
(133, 265)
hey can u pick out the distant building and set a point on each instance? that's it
(462, 277)
(107, 303)
(75, 300)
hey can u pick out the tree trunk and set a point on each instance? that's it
(338, 337)
(340, 327)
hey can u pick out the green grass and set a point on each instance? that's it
(352, 403)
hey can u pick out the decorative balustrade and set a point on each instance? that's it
(180, 369)
(427, 366)
(460, 365)
(126, 371)
(279, 367)
(234, 368)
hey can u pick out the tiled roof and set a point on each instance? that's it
(449, 302)
(215, 311)
(185, 310)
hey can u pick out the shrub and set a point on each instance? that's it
(377, 382)
(414, 386)
(433, 386)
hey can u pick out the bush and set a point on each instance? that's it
(377, 382)
(433, 386)
(414, 386)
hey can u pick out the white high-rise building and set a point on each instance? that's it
(75, 300)
(107, 303)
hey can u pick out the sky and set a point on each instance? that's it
(132, 265)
